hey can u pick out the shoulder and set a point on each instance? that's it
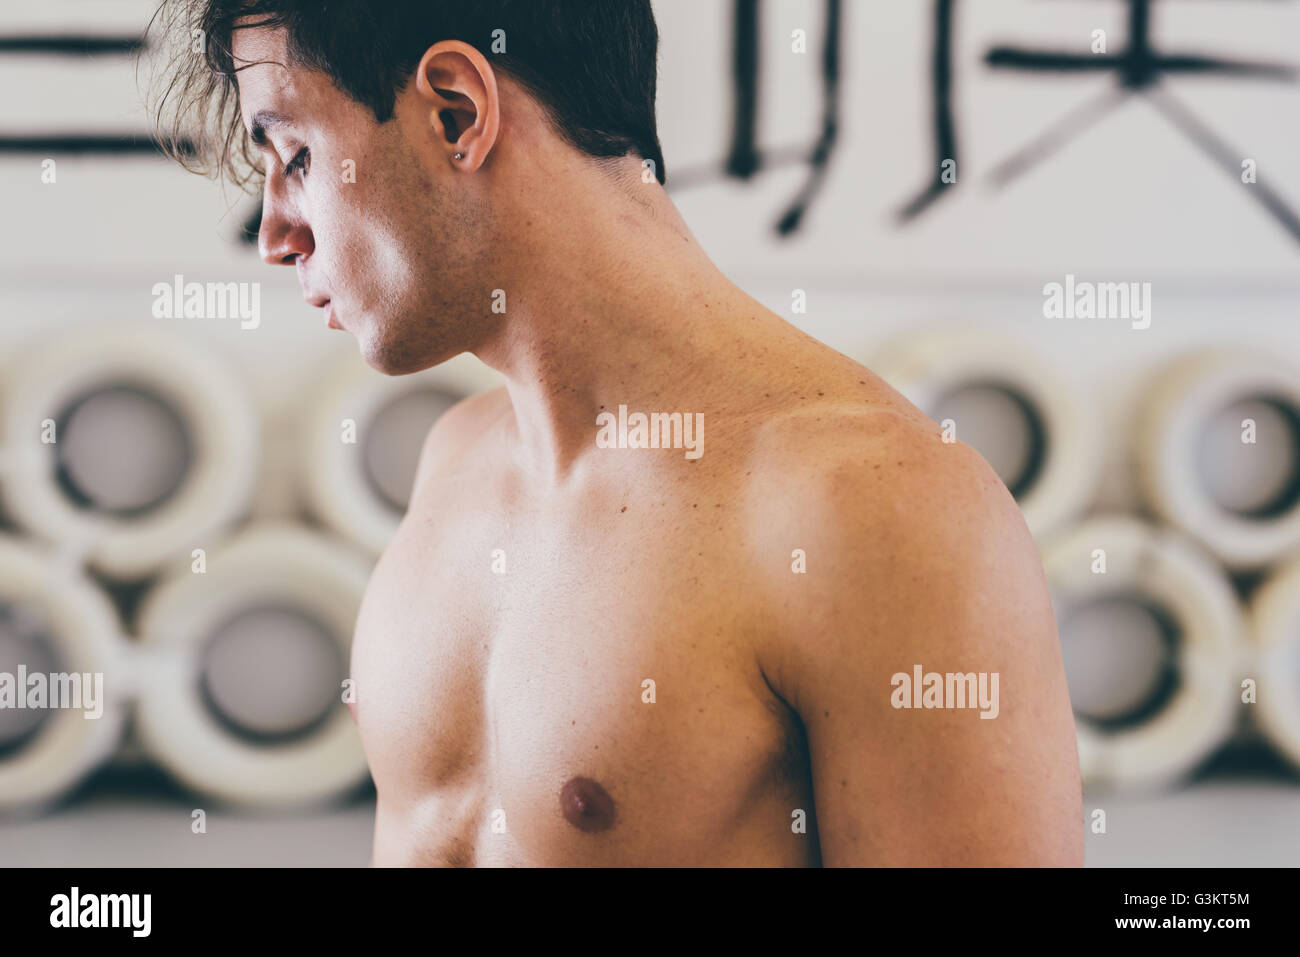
(458, 429)
(915, 559)
(877, 469)
(869, 532)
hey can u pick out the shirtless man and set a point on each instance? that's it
(573, 654)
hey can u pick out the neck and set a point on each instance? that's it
(614, 305)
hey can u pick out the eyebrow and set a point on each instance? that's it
(263, 120)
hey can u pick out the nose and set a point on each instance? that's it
(283, 236)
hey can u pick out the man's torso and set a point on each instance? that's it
(574, 679)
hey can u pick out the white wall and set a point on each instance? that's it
(1129, 200)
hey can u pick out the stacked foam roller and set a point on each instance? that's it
(136, 593)
(206, 553)
(1223, 582)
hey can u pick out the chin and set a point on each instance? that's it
(385, 362)
(397, 358)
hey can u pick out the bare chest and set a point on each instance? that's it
(569, 695)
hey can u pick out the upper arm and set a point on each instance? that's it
(922, 559)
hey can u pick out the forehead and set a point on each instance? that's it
(257, 49)
(264, 76)
(299, 96)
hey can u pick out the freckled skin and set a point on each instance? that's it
(586, 806)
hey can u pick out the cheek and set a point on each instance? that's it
(354, 244)
(379, 249)
(397, 252)
(374, 211)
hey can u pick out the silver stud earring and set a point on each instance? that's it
(460, 156)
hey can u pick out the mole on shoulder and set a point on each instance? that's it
(586, 806)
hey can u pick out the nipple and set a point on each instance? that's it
(586, 806)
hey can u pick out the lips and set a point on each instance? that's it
(324, 302)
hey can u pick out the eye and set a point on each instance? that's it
(298, 163)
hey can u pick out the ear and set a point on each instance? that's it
(460, 88)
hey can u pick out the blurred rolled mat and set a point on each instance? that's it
(127, 444)
(242, 694)
(362, 442)
(1275, 634)
(1153, 642)
(1013, 407)
(1217, 445)
(58, 632)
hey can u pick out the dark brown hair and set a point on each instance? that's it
(591, 64)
